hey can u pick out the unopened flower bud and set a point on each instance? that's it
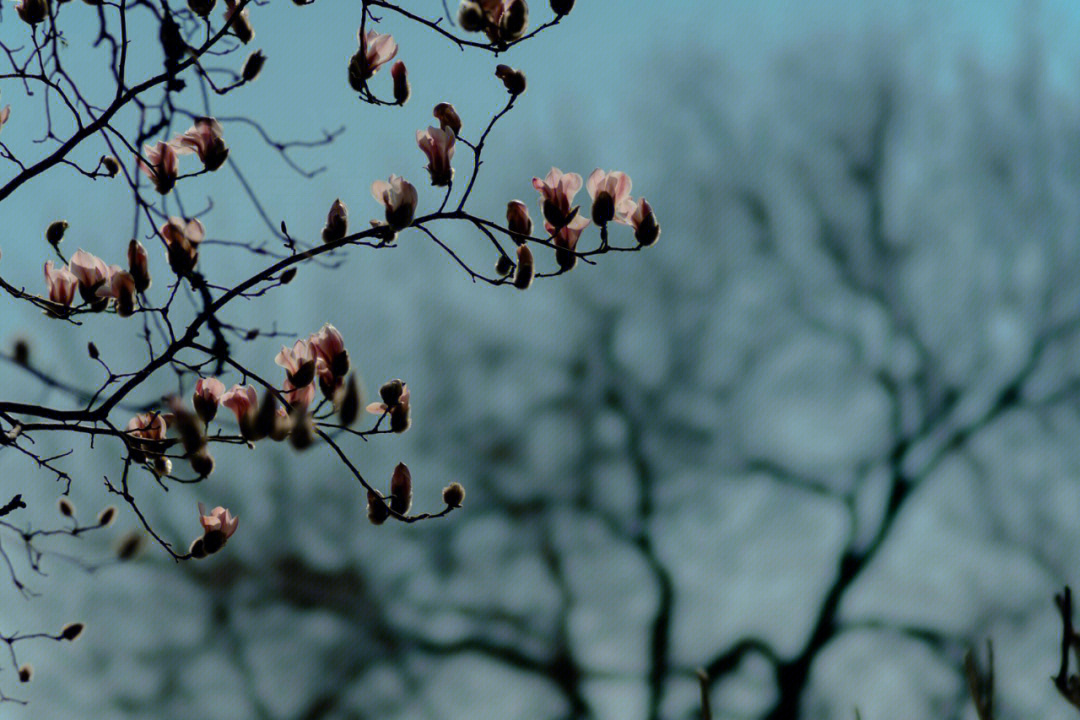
(566, 259)
(504, 265)
(33, 11)
(471, 16)
(337, 222)
(92, 351)
(399, 418)
(213, 540)
(111, 165)
(448, 117)
(253, 66)
(129, 546)
(341, 364)
(241, 27)
(72, 631)
(401, 83)
(106, 516)
(514, 80)
(123, 287)
(201, 8)
(525, 268)
(66, 508)
(562, 7)
(202, 462)
(391, 391)
(358, 72)
(648, 231)
(453, 495)
(55, 232)
(401, 489)
(26, 673)
(197, 550)
(518, 220)
(162, 466)
(514, 20)
(303, 431)
(377, 511)
(139, 265)
(350, 402)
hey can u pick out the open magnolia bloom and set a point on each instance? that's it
(438, 145)
(375, 51)
(204, 138)
(218, 526)
(61, 283)
(147, 426)
(207, 396)
(399, 198)
(182, 239)
(241, 399)
(161, 165)
(557, 193)
(610, 193)
(643, 220)
(329, 348)
(299, 362)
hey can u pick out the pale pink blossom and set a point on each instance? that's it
(204, 138)
(241, 399)
(61, 283)
(218, 520)
(294, 360)
(298, 397)
(147, 426)
(399, 198)
(182, 240)
(557, 193)
(375, 50)
(120, 287)
(567, 236)
(329, 348)
(643, 220)
(610, 192)
(438, 145)
(90, 269)
(207, 396)
(161, 165)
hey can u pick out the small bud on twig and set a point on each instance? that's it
(453, 495)
(401, 489)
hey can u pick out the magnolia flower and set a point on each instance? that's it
(89, 269)
(299, 362)
(241, 25)
(61, 282)
(329, 348)
(399, 198)
(526, 268)
(4, 115)
(438, 145)
(138, 265)
(120, 287)
(208, 393)
(147, 426)
(643, 220)
(241, 399)
(337, 222)
(557, 193)
(395, 401)
(218, 526)
(205, 139)
(566, 239)
(182, 239)
(161, 166)
(298, 397)
(610, 192)
(376, 50)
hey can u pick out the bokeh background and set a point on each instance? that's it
(819, 440)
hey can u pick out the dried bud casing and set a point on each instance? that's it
(525, 269)
(562, 7)
(253, 66)
(377, 511)
(401, 489)
(55, 232)
(350, 402)
(513, 80)
(402, 91)
(453, 495)
(448, 117)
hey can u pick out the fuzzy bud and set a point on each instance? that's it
(400, 419)
(350, 402)
(139, 265)
(401, 489)
(162, 466)
(129, 546)
(106, 516)
(202, 462)
(111, 165)
(197, 550)
(337, 222)
(303, 431)
(20, 353)
(518, 220)
(648, 231)
(201, 8)
(525, 269)
(253, 66)
(92, 351)
(453, 495)
(514, 80)
(514, 20)
(33, 11)
(55, 232)
(391, 392)
(377, 511)
(241, 27)
(66, 508)
(72, 631)
(401, 83)
(26, 673)
(448, 117)
(562, 7)
(504, 266)
(471, 16)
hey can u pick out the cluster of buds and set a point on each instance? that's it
(218, 526)
(502, 21)
(395, 403)
(400, 497)
(97, 283)
(321, 355)
(182, 240)
(162, 164)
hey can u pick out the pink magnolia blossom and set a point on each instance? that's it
(139, 265)
(567, 236)
(375, 51)
(89, 269)
(121, 288)
(4, 115)
(218, 520)
(438, 145)
(299, 362)
(643, 220)
(204, 138)
(298, 397)
(61, 283)
(161, 165)
(329, 348)
(208, 392)
(517, 218)
(147, 426)
(241, 399)
(610, 192)
(182, 240)
(399, 198)
(557, 193)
